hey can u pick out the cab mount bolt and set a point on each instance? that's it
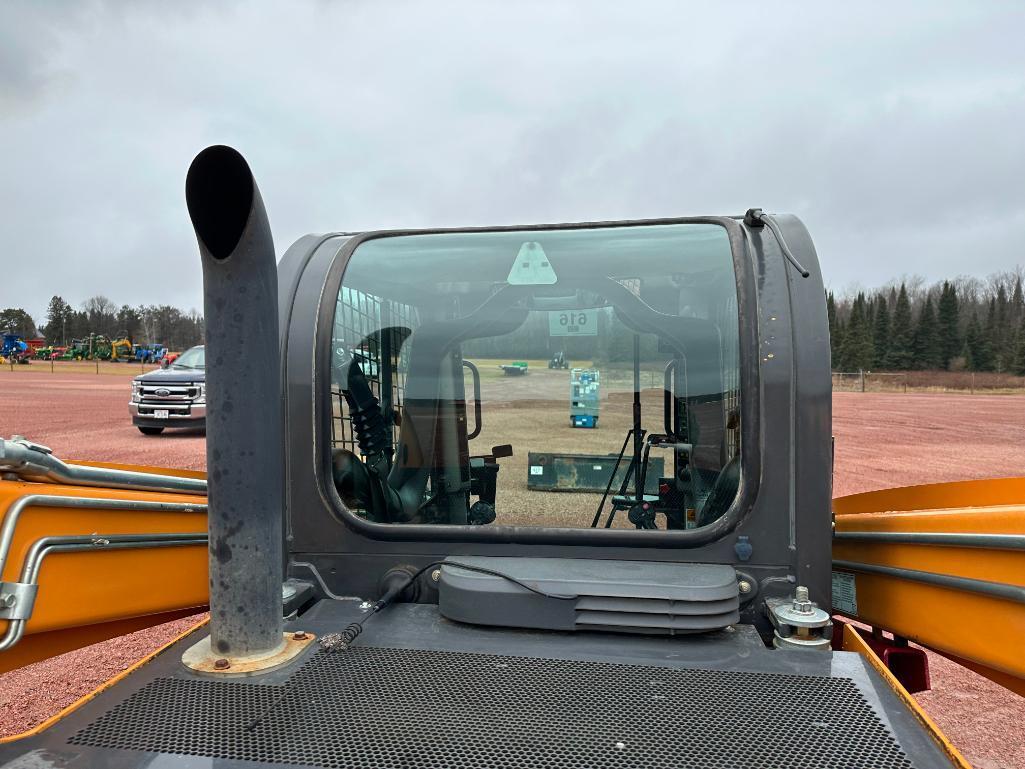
(802, 603)
(221, 664)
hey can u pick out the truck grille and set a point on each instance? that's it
(168, 393)
(392, 708)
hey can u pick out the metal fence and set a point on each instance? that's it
(967, 382)
(869, 381)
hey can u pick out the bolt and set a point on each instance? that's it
(366, 606)
(744, 586)
(221, 664)
(436, 575)
(299, 635)
(7, 600)
(802, 604)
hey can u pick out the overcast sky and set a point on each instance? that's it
(896, 131)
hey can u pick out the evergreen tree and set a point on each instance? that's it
(881, 333)
(1003, 332)
(948, 324)
(856, 352)
(58, 320)
(868, 307)
(129, 322)
(1019, 351)
(1017, 302)
(902, 333)
(976, 346)
(927, 341)
(990, 342)
(834, 329)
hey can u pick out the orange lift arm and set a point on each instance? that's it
(82, 564)
(942, 565)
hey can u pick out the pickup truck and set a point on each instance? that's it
(174, 396)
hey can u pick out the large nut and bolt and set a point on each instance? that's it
(299, 635)
(221, 664)
(744, 587)
(436, 575)
(802, 603)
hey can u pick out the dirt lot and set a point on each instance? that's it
(82, 415)
(881, 440)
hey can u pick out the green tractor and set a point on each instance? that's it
(92, 347)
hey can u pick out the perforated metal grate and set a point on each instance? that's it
(391, 708)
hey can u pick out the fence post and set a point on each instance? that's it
(51, 365)
(862, 373)
(973, 384)
(905, 384)
(97, 365)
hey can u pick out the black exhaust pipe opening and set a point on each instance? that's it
(219, 192)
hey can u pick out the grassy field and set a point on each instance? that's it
(621, 373)
(101, 367)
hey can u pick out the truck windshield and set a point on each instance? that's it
(568, 377)
(194, 357)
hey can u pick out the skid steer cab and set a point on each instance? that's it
(415, 559)
(707, 335)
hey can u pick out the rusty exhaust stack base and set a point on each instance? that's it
(244, 422)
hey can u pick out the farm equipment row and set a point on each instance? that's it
(92, 347)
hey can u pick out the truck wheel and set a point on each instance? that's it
(151, 430)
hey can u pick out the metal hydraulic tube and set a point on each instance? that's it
(244, 421)
(33, 462)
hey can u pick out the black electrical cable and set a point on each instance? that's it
(342, 641)
(755, 217)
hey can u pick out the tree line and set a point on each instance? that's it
(964, 324)
(144, 324)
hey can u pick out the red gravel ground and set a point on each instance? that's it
(882, 440)
(85, 416)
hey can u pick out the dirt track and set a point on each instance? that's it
(881, 440)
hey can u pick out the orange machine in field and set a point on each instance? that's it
(387, 591)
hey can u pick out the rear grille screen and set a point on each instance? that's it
(392, 708)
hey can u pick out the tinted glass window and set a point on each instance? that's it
(452, 350)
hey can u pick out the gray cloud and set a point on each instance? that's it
(892, 129)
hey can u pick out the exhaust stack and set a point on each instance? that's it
(244, 418)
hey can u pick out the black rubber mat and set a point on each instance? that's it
(392, 708)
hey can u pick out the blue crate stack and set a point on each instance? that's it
(584, 397)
